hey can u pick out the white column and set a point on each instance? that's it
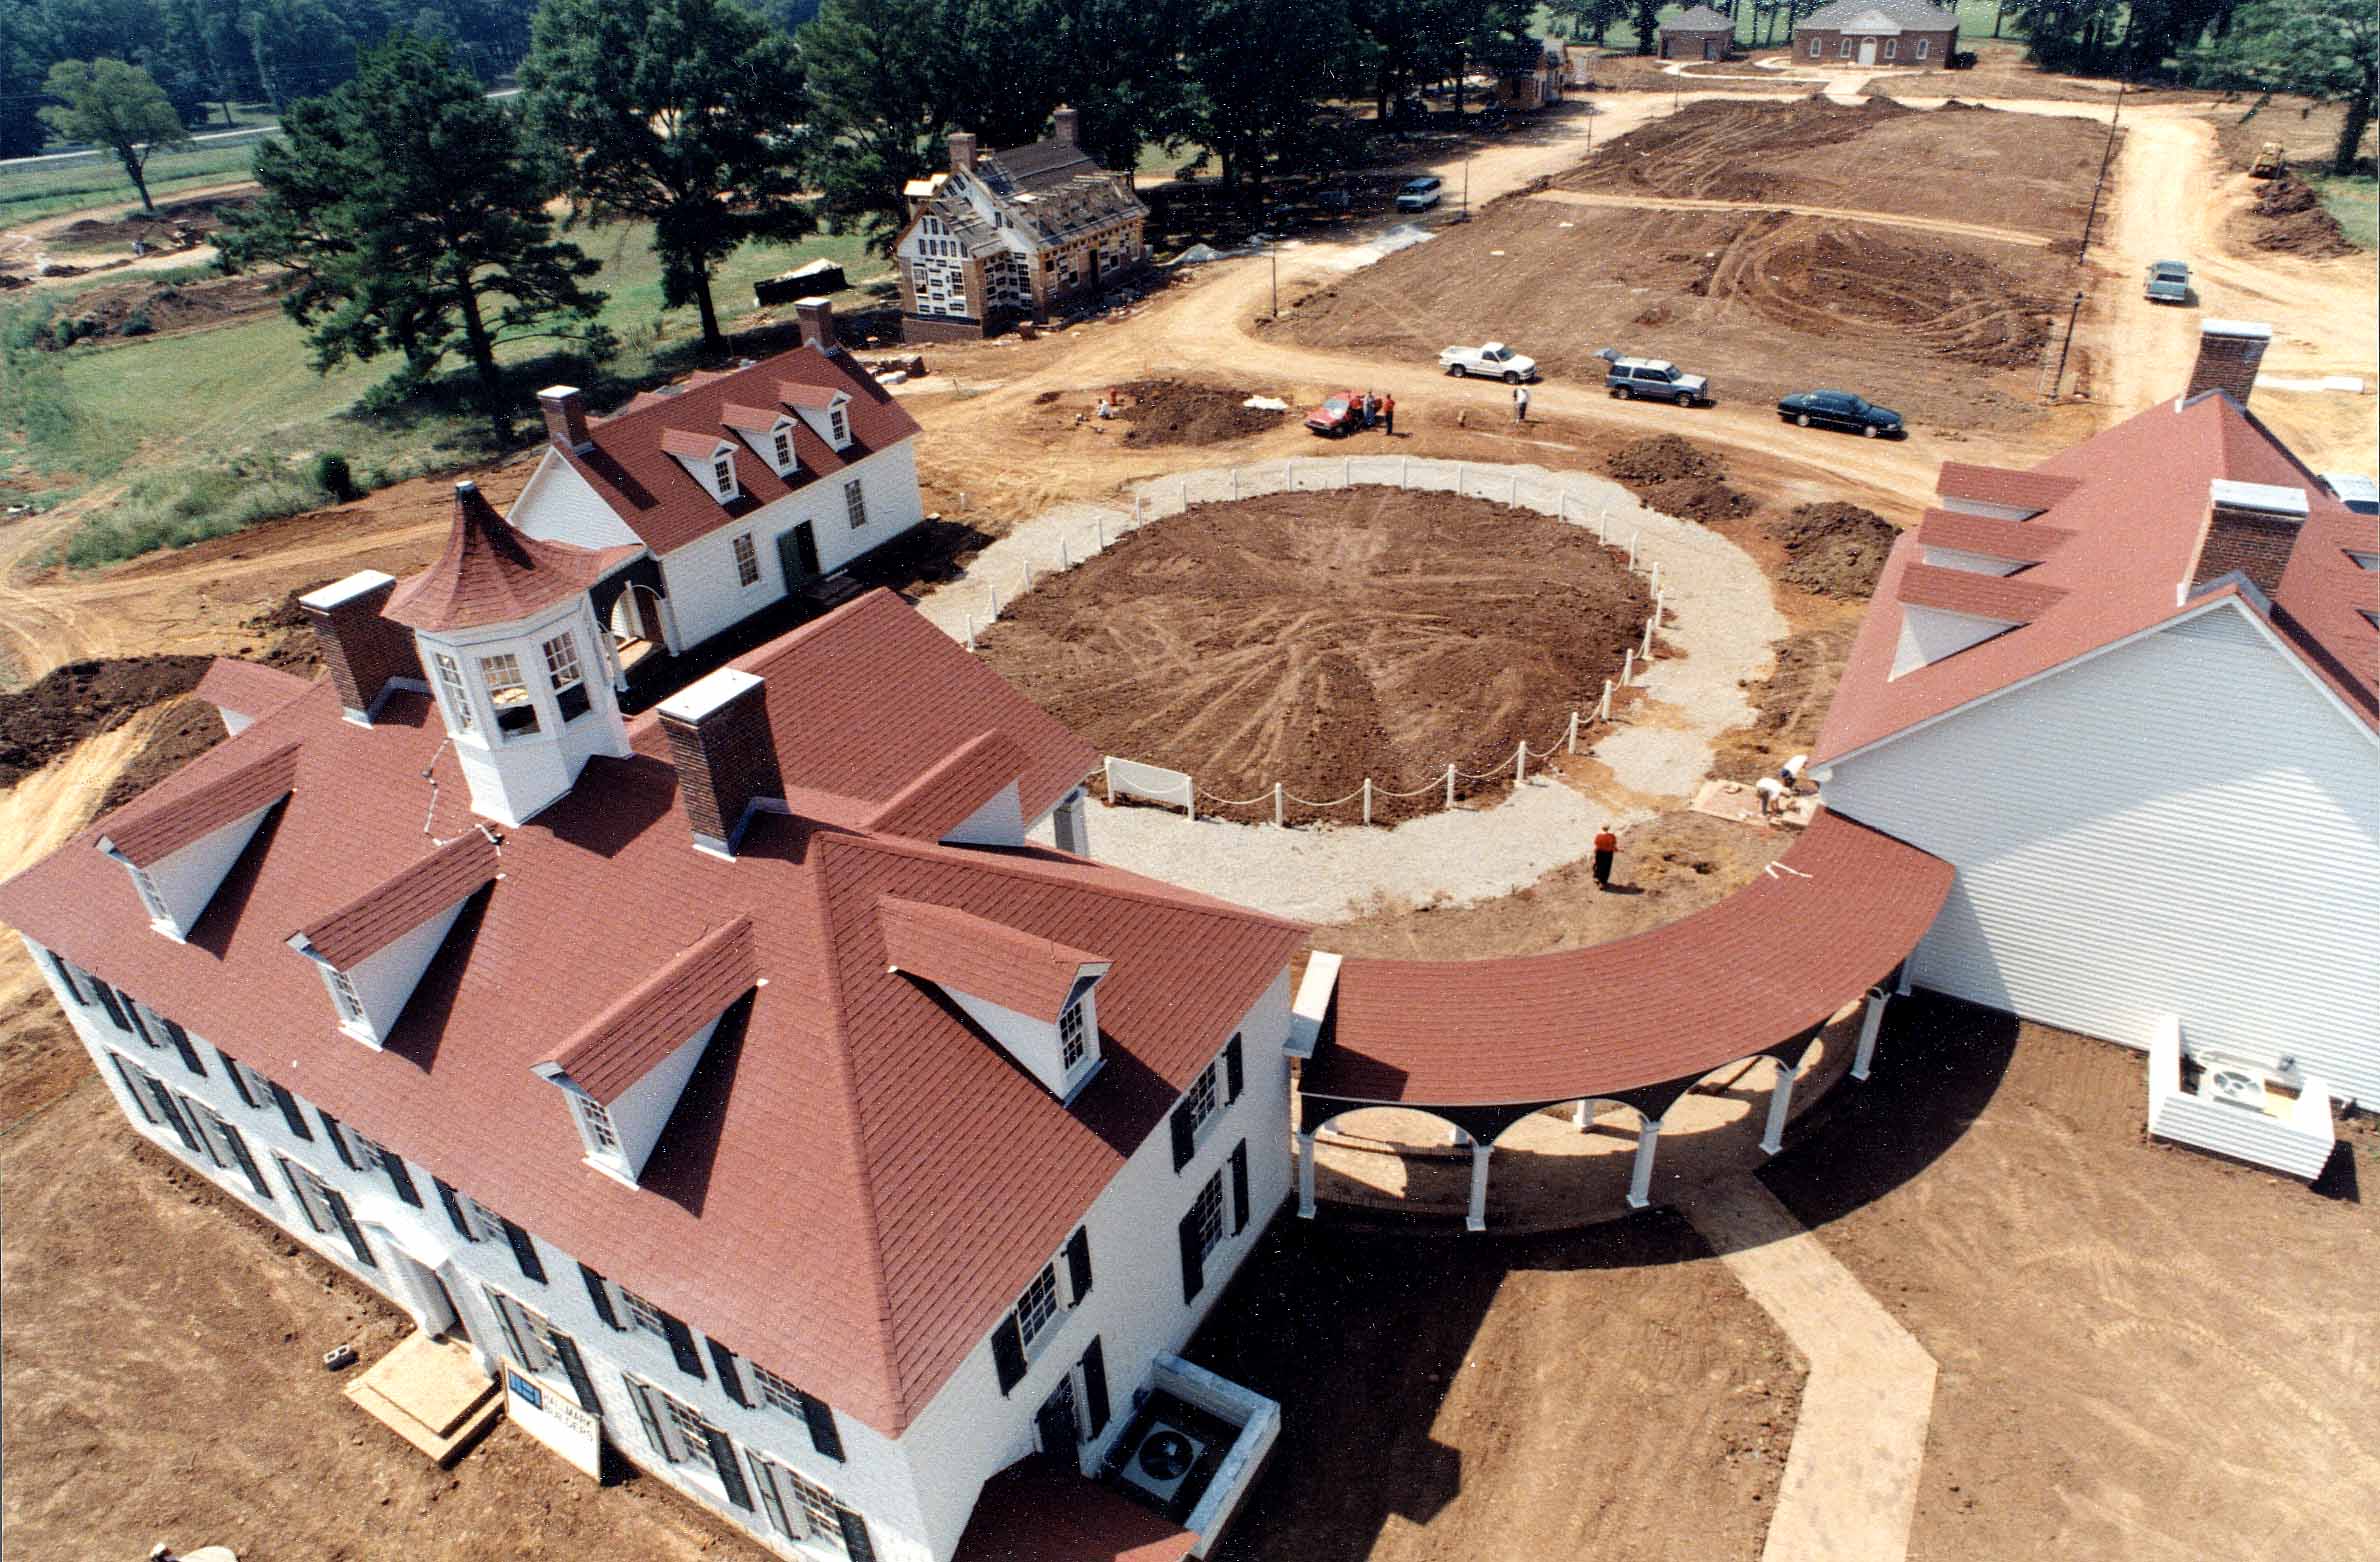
(1582, 1116)
(1640, 1177)
(1477, 1219)
(1305, 1176)
(1071, 825)
(1869, 1025)
(1780, 1102)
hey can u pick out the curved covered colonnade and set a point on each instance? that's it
(1484, 1043)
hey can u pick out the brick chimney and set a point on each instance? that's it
(2250, 529)
(365, 652)
(962, 152)
(2228, 353)
(818, 324)
(1066, 125)
(566, 417)
(719, 738)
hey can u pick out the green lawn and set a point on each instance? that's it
(1975, 21)
(44, 189)
(2355, 201)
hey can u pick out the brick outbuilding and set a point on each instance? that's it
(1697, 34)
(1878, 32)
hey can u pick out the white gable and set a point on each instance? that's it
(558, 505)
(1929, 634)
(179, 887)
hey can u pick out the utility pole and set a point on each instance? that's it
(2066, 347)
(1466, 187)
(1272, 250)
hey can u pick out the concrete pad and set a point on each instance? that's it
(430, 1393)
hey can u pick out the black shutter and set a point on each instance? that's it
(1185, 1132)
(330, 1129)
(66, 975)
(140, 1100)
(771, 1502)
(1095, 1387)
(239, 1085)
(107, 1001)
(165, 1104)
(729, 1379)
(820, 1417)
(1078, 1263)
(681, 1345)
(855, 1536)
(239, 1152)
(1008, 1353)
(289, 1111)
(574, 1366)
(1234, 1070)
(1239, 1187)
(454, 1211)
(399, 1178)
(1193, 1275)
(181, 1040)
(644, 1412)
(336, 1202)
(595, 1293)
(731, 1474)
(524, 1253)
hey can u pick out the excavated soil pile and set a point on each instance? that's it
(144, 308)
(1170, 412)
(1317, 639)
(285, 638)
(200, 215)
(188, 730)
(2289, 216)
(1678, 478)
(1834, 550)
(43, 721)
(1789, 705)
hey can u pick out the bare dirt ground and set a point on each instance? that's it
(1316, 639)
(1602, 1393)
(136, 309)
(2145, 1352)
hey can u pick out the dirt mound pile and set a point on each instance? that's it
(145, 308)
(1714, 149)
(1834, 550)
(1678, 478)
(2289, 216)
(1173, 412)
(197, 217)
(39, 723)
(286, 637)
(1316, 639)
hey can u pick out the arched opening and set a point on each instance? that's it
(639, 627)
(1393, 1159)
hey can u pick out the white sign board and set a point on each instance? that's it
(554, 1419)
(1131, 778)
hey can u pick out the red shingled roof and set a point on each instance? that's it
(2016, 599)
(658, 1015)
(1764, 964)
(809, 1205)
(248, 689)
(694, 444)
(403, 901)
(982, 958)
(666, 508)
(942, 799)
(2019, 542)
(758, 420)
(153, 827)
(491, 574)
(2125, 534)
(2036, 490)
(1038, 1511)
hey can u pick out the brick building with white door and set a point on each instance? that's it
(1878, 32)
(740, 1075)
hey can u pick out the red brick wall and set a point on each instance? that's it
(1940, 46)
(2250, 541)
(2227, 363)
(723, 763)
(362, 650)
(1688, 46)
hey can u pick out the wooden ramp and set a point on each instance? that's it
(430, 1393)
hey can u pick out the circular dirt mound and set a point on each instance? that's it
(1317, 639)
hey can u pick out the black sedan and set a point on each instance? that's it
(1841, 409)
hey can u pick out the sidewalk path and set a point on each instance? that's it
(1850, 1488)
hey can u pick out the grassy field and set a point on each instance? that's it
(2355, 201)
(45, 189)
(1975, 21)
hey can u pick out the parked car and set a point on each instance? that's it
(1489, 360)
(1841, 409)
(2169, 282)
(1628, 378)
(1419, 195)
(1341, 412)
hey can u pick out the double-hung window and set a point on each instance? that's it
(747, 561)
(326, 1209)
(458, 698)
(598, 1123)
(1038, 1306)
(1041, 1308)
(838, 422)
(782, 443)
(802, 1509)
(855, 504)
(723, 476)
(563, 672)
(643, 1314)
(508, 693)
(543, 1349)
(351, 1002)
(1925, 46)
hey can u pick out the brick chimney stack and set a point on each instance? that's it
(565, 409)
(2228, 353)
(719, 738)
(1066, 125)
(962, 152)
(365, 652)
(2250, 529)
(818, 324)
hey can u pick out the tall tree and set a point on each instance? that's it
(300, 48)
(1646, 15)
(414, 215)
(2327, 50)
(681, 113)
(1253, 102)
(117, 106)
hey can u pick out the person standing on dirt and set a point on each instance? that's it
(1520, 404)
(1388, 415)
(1607, 846)
(1371, 410)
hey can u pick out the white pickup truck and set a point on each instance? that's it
(1489, 360)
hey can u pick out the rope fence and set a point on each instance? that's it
(1169, 496)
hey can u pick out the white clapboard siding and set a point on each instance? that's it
(2184, 825)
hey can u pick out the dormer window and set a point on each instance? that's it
(723, 475)
(781, 441)
(562, 671)
(838, 422)
(1029, 995)
(151, 900)
(602, 1137)
(516, 713)
(371, 953)
(343, 993)
(1073, 1031)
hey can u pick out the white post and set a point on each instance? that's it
(1648, 651)
(1520, 762)
(1065, 564)
(1107, 769)
(991, 598)
(970, 631)
(1603, 710)
(1136, 504)
(1660, 603)
(1367, 799)
(1346, 471)
(1305, 1176)
(1099, 528)
(1450, 786)
(1477, 1219)
(1628, 669)
(1603, 526)
(1869, 1024)
(1640, 1177)
(1235, 482)
(1574, 732)
(1654, 584)
(1404, 471)
(1276, 802)
(1633, 538)
(1028, 575)
(1780, 1101)
(1515, 500)
(1582, 1115)
(1190, 800)
(1458, 477)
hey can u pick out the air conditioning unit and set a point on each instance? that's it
(2234, 1084)
(1162, 1460)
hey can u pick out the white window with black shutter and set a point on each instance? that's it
(1201, 1231)
(362, 1154)
(1216, 1087)
(685, 1441)
(156, 1103)
(630, 1313)
(326, 1209)
(164, 1033)
(230, 1147)
(814, 1413)
(543, 1350)
(1034, 1322)
(802, 1510)
(475, 1222)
